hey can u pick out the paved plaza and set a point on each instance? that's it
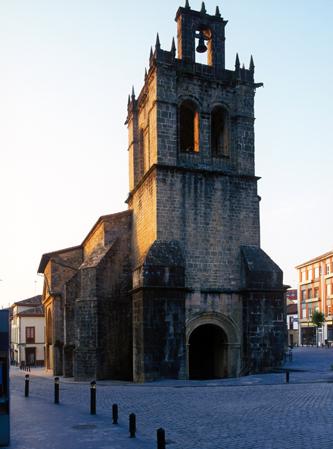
(252, 412)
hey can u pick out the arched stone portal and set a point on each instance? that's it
(213, 347)
(208, 353)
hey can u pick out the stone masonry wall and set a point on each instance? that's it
(212, 216)
(143, 205)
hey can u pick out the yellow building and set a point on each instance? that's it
(315, 292)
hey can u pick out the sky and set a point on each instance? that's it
(66, 69)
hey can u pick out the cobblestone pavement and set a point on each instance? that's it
(253, 412)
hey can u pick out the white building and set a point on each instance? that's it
(28, 331)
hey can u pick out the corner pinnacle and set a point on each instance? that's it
(217, 12)
(237, 63)
(187, 5)
(158, 44)
(203, 8)
(251, 65)
(173, 47)
(133, 93)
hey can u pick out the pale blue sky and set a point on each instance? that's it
(66, 68)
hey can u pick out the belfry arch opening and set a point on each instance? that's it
(208, 353)
(203, 46)
(219, 132)
(188, 127)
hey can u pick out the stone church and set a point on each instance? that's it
(176, 286)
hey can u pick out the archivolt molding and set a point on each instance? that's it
(217, 319)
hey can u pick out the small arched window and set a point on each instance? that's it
(188, 127)
(220, 132)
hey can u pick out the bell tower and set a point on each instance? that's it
(193, 193)
(208, 30)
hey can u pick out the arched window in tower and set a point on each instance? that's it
(220, 132)
(188, 127)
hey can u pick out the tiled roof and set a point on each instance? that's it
(33, 301)
(316, 259)
(47, 256)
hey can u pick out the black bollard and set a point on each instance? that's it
(287, 376)
(160, 438)
(132, 425)
(56, 390)
(93, 398)
(26, 386)
(115, 413)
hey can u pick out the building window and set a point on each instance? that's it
(327, 271)
(317, 272)
(328, 289)
(219, 132)
(303, 310)
(309, 274)
(303, 295)
(329, 307)
(302, 276)
(309, 293)
(188, 127)
(309, 310)
(30, 335)
(316, 292)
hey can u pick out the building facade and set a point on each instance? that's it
(315, 292)
(27, 332)
(292, 317)
(176, 286)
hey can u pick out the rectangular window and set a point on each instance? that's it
(317, 272)
(303, 310)
(327, 271)
(30, 335)
(328, 289)
(309, 274)
(303, 294)
(310, 310)
(302, 276)
(316, 292)
(309, 293)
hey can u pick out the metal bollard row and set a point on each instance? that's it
(161, 442)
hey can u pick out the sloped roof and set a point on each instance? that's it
(47, 256)
(104, 218)
(33, 301)
(315, 259)
(95, 257)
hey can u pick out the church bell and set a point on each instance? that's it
(201, 48)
